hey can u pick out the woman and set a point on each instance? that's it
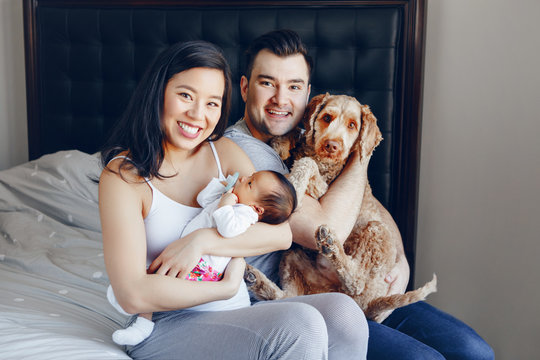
(164, 151)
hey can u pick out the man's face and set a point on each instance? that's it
(276, 94)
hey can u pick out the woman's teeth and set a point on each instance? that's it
(189, 129)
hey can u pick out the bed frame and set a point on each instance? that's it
(84, 58)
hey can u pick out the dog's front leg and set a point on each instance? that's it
(260, 285)
(306, 179)
(345, 267)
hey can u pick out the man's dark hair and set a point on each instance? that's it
(280, 202)
(282, 43)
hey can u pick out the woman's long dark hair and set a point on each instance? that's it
(139, 130)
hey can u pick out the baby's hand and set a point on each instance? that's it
(228, 199)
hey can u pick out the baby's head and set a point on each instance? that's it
(269, 193)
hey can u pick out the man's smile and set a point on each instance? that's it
(278, 113)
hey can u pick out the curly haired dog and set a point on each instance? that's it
(334, 125)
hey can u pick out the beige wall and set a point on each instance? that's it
(480, 167)
(479, 212)
(13, 142)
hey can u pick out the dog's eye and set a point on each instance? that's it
(352, 125)
(327, 118)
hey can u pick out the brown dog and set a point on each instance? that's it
(334, 126)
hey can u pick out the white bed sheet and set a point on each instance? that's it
(52, 275)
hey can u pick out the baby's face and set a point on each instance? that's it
(250, 189)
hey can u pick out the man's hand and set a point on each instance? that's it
(178, 258)
(398, 277)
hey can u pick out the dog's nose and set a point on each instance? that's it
(331, 146)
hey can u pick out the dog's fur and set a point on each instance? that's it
(334, 126)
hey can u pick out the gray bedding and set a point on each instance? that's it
(52, 275)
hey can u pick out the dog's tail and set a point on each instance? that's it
(377, 307)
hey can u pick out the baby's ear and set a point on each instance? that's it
(258, 209)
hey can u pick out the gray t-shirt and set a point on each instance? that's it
(263, 157)
(261, 154)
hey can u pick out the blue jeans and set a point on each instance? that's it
(421, 331)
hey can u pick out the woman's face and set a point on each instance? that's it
(192, 107)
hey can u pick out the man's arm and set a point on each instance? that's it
(338, 208)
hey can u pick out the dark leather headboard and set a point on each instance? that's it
(84, 58)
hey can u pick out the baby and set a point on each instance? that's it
(230, 206)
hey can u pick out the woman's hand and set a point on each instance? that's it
(179, 257)
(234, 274)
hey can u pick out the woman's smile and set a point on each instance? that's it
(189, 131)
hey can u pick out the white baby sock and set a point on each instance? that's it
(134, 334)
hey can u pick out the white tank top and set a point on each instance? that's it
(167, 218)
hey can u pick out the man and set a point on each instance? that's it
(276, 88)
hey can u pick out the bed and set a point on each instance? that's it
(84, 58)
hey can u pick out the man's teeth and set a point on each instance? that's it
(189, 129)
(281, 113)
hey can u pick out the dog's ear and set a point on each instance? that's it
(284, 144)
(370, 135)
(312, 110)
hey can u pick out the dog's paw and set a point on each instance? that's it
(317, 187)
(249, 276)
(325, 240)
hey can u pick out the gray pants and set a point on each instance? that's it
(313, 327)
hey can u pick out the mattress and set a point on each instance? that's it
(52, 276)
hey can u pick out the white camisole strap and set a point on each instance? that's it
(221, 175)
(214, 151)
(118, 157)
(128, 159)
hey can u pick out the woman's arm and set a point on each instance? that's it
(124, 245)
(260, 238)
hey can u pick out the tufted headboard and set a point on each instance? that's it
(85, 57)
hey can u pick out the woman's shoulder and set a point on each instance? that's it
(224, 144)
(233, 158)
(116, 159)
(120, 168)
